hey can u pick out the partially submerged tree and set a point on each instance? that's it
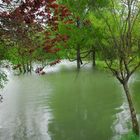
(77, 31)
(121, 44)
(28, 19)
(82, 43)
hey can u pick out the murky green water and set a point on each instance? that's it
(62, 106)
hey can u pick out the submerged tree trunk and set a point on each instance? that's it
(135, 124)
(93, 57)
(24, 68)
(27, 67)
(20, 70)
(30, 63)
(78, 58)
(81, 61)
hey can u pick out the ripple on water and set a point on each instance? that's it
(120, 125)
(24, 114)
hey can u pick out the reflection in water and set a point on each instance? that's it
(24, 114)
(120, 125)
(83, 109)
(60, 106)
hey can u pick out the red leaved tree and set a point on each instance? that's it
(22, 18)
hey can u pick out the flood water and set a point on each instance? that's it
(63, 106)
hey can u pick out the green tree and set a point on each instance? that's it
(120, 46)
(78, 31)
(82, 43)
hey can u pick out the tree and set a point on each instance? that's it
(76, 31)
(82, 43)
(120, 46)
(28, 19)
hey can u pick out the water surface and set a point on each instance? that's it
(61, 106)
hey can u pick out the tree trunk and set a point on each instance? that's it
(20, 70)
(27, 67)
(93, 57)
(30, 66)
(81, 61)
(135, 125)
(24, 68)
(78, 58)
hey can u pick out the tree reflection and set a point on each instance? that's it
(84, 108)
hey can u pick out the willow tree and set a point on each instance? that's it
(121, 44)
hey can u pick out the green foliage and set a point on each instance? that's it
(77, 8)
(98, 3)
(130, 136)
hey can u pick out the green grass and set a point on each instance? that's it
(130, 136)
